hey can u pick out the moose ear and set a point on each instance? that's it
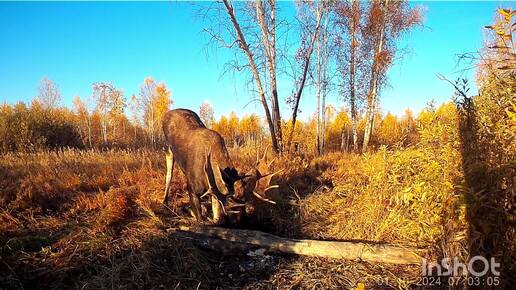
(225, 175)
(229, 175)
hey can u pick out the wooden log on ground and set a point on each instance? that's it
(224, 247)
(374, 253)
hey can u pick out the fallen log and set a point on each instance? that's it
(374, 253)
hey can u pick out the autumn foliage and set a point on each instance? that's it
(90, 216)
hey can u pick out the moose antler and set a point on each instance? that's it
(271, 187)
(263, 198)
(264, 156)
(265, 180)
(272, 174)
(268, 178)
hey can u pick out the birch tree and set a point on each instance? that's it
(153, 102)
(81, 110)
(238, 39)
(110, 103)
(48, 95)
(252, 29)
(206, 113)
(387, 21)
(310, 20)
(349, 16)
(266, 17)
(322, 75)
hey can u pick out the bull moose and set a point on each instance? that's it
(202, 156)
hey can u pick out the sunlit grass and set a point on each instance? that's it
(96, 216)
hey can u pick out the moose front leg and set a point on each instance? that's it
(195, 203)
(170, 170)
(217, 206)
(217, 209)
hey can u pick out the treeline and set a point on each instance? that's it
(25, 128)
(35, 126)
(392, 131)
(38, 126)
(106, 119)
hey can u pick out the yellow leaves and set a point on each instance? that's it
(395, 196)
(235, 130)
(506, 13)
(503, 27)
(148, 80)
(389, 131)
(154, 101)
(360, 286)
(233, 121)
(79, 106)
(406, 195)
(438, 129)
(250, 125)
(162, 100)
(512, 114)
(161, 90)
(417, 192)
(334, 129)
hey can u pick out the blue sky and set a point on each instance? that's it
(77, 44)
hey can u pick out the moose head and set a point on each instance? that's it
(235, 195)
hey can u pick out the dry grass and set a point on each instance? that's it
(90, 220)
(398, 197)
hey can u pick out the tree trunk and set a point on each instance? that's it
(352, 67)
(269, 40)
(231, 240)
(324, 79)
(344, 139)
(124, 132)
(245, 47)
(318, 92)
(135, 136)
(322, 57)
(375, 74)
(103, 126)
(113, 132)
(151, 124)
(272, 72)
(306, 66)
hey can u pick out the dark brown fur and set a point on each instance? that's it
(190, 142)
(202, 156)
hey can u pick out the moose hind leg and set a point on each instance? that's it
(170, 170)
